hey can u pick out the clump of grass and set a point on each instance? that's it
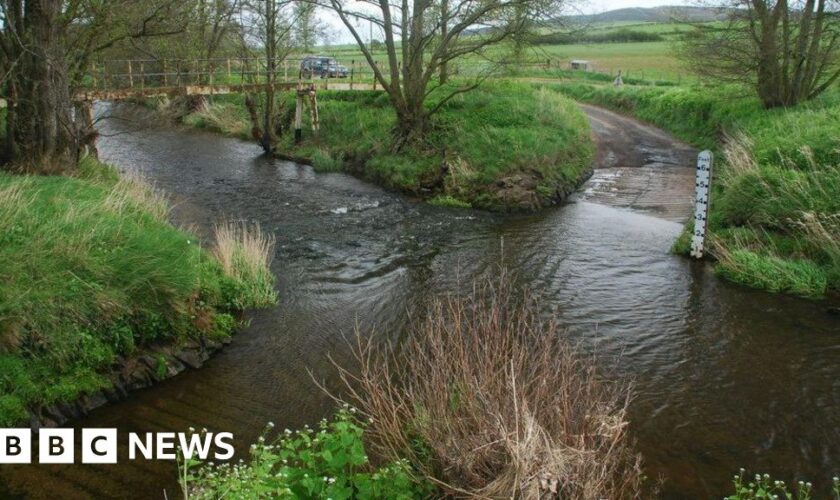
(223, 117)
(445, 200)
(245, 254)
(769, 272)
(823, 232)
(133, 192)
(485, 398)
(324, 161)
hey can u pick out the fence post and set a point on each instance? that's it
(701, 202)
(285, 70)
(130, 76)
(352, 70)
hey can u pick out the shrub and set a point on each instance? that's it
(485, 399)
(330, 462)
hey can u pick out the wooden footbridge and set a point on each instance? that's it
(123, 79)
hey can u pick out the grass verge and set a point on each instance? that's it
(92, 273)
(504, 146)
(775, 203)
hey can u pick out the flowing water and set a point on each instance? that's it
(725, 377)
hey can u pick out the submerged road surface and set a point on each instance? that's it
(639, 167)
(725, 377)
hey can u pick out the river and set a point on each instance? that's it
(725, 377)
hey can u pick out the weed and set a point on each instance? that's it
(328, 462)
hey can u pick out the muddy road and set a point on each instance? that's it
(639, 167)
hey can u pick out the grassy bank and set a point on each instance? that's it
(504, 146)
(92, 274)
(775, 212)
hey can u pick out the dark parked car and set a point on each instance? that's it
(322, 67)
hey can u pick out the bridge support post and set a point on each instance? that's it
(298, 115)
(313, 110)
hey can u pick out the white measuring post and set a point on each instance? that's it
(703, 188)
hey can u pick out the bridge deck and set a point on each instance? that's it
(213, 89)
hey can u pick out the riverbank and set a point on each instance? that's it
(101, 294)
(774, 219)
(502, 147)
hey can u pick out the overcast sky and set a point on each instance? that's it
(594, 6)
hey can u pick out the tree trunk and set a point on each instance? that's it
(444, 32)
(42, 133)
(412, 124)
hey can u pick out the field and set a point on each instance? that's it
(653, 60)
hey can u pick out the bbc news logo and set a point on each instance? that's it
(99, 446)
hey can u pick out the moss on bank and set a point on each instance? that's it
(92, 273)
(504, 146)
(775, 212)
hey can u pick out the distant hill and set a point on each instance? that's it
(652, 15)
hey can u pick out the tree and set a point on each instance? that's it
(307, 29)
(788, 51)
(421, 37)
(46, 48)
(268, 25)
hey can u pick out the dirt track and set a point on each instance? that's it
(640, 167)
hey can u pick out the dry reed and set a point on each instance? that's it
(485, 399)
(245, 254)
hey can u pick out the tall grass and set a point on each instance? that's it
(485, 399)
(245, 255)
(220, 116)
(776, 224)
